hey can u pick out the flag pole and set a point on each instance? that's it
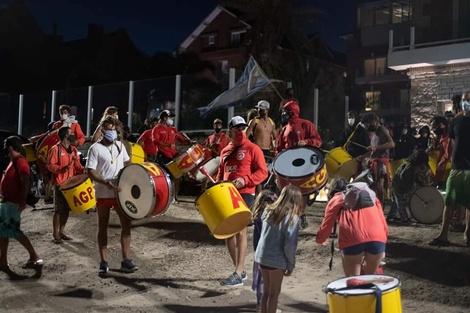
(262, 72)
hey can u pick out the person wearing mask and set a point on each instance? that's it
(404, 143)
(352, 123)
(113, 112)
(146, 142)
(218, 140)
(241, 162)
(105, 160)
(422, 142)
(64, 163)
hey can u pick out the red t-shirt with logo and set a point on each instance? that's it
(164, 137)
(10, 185)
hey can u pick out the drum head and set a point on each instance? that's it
(211, 166)
(298, 162)
(137, 195)
(73, 181)
(427, 205)
(342, 283)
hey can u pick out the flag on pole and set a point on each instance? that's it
(252, 80)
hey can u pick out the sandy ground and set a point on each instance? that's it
(181, 265)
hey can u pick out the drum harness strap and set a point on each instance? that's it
(231, 154)
(377, 292)
(350, 136)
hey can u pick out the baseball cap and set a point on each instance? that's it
(217, 120)
(166, 113)
(263, 104)
(237, 121)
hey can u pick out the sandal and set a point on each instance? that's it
(57, 241)
(439, 242)
(34, 264)
(65, 237)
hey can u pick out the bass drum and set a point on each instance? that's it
(427, 205)
(44, 144)
(303, 167)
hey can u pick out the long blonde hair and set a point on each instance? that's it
(290, 200)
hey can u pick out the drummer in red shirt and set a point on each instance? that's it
(165, 137)
(63, 162)
(241, 162)
(146, 141)
(218, 140)
(296, 132)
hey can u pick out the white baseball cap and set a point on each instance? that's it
(263, 104)
(237, 121)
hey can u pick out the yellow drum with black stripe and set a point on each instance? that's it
(358, 300)
(340, 164)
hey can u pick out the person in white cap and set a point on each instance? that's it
(241, 162)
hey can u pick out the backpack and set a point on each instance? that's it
(34, 193)
(256, 121)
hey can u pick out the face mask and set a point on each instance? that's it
(239, 137)
(65, 116)
(71, 138)
(110, 135)
(439, 131)
(466, 106)
(285, 117)
(218, 129)
(351, 121)
(372, 128)
(425, 135)
(169, 122)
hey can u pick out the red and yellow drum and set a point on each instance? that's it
(303, 167)
(211, 164)
(44, 144)
(137, 153)
(359, 300)
(223, 209)
(340, 164)
(433, 161)
(79, 193)
(145, 190)
(185, 162)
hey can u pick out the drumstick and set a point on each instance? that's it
(204, 171)
(355, 143)
(186, 136)
(352, 282)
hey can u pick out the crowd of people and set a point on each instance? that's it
(245, 152)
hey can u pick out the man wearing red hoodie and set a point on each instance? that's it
(296, 132)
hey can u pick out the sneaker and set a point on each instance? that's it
(244, 276)
(103, 271)
(128, 266)
(233, 280)
(303, 221)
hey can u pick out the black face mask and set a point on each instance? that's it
(285, 117)
(217, 130)
(71, 138)
(439, 132)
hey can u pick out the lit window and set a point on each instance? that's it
(401, 12)
(374, 67)
(211, 40)
(372, 100)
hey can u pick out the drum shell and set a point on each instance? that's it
(185, 162)
(139, 198)
(45, 143)
(350, 302)
(30, 152)
(340, 164)
(307, 185)
(394, 165)
(433, 158)
(79, 193)
(223, 210)
(212, 167)
(137, 153)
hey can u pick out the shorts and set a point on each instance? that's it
(457, 188)
(248, 198)
(60, 203)
(269, 268)
(382, 170)
(10, 220)
(372, 247)
(106, 203)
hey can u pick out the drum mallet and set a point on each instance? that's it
(353, 282)
(204, 171)
(355, 143)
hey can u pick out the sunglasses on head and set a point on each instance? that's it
(240, 128)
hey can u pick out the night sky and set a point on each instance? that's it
(162, 25)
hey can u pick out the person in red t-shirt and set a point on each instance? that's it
(14, 188)
(241, 162)
(218, 140)
(165, 137)
(63, 162)
(440, 127)
(146, 141)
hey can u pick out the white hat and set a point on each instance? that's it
(236, 121)
(263, 104)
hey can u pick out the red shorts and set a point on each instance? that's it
(106, 203)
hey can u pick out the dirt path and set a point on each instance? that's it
(181, 265)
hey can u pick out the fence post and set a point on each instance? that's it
(130, 108)
(53, 104)
(315, 107)
(231, 84)
(177, 100)
(20, 115)
(89, 111)
(412, 38)
(346, 110)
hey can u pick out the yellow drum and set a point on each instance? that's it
(30, 152)
(340, 164)
(394, 165)
(79, 193)
(223, 209)
(137, 154)
(433, 158)
(185, 162)
(342, 299)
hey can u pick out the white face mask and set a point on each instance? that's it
(466, 106)
(65, 116)
(169, 122)
(351, 121)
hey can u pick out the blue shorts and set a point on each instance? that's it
(372, 247)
